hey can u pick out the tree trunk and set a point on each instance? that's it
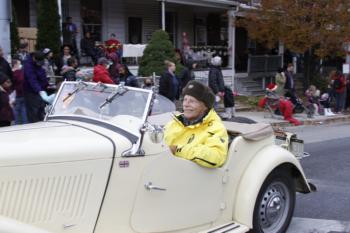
(307, 69)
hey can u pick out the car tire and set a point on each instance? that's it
(241, 120)
(274, 208)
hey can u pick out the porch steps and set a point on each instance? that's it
(230, 227)
(248, 85)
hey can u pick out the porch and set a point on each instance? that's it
(208, 25)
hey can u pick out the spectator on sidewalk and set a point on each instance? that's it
(70, 70)
(22, 52)
(6, 112)
(70, 31)
(114, 46)
(187, 73)
(126, 76)
(347, 101)
(169, 84)
(278, 104)
(339, 87)
(280, 80)
(289, 85)
(18, 80)
(313, 100)
(325, 101)
(49, 63)
(34, 87)
(61, 63)
(148, 83)
(87, 46)
(101, 71)
(217, 85)
(5, 66)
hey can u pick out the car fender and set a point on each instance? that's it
(8, 225)
(263, 163)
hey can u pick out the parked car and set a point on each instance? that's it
(98, 163)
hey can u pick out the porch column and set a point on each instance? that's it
(163, 14)
(232, 43)
(5, 16)
(281, 52)
(59, 6)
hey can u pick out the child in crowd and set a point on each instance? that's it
(147, 83)
(18, 79)
(6, 112)
(313, 100)
(279, 105)
(325, 102)
(70, 70)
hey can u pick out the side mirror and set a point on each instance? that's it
(157, 134)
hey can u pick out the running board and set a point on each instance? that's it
(230, 227)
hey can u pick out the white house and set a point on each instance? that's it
(209, 24)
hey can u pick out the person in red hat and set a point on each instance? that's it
(114, 46)
(277, 103)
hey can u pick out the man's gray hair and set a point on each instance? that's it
(216, 61)
(102, 61)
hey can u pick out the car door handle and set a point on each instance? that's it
(149, 186)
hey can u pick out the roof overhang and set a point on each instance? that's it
(221, 4)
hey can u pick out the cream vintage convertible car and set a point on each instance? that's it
(97, 163)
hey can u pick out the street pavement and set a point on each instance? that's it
(327, 139)
(328, 209)
(277, 121)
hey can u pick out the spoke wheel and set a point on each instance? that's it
(275, 204)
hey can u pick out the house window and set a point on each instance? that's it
(135, 30)
(91, 14)
(22, 12)
(171, 26)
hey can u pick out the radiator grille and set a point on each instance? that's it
(36, 200)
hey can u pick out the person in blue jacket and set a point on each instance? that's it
(169, 84)
(126, 76)
(34, 87)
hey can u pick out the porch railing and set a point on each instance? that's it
(264, 63)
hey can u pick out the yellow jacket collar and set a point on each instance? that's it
(206, 119)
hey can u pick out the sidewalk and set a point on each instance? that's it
(265, 117)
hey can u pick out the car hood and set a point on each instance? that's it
(51, 142)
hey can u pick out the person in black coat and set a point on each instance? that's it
(217, 84)
(347, 101)
(216, 79)
(289, 86)
(5, 66)
(169, 85)
(87, 45)
(187, 73)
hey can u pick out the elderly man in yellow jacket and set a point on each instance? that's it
(198, 134)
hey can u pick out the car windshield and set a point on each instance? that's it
(100, 101)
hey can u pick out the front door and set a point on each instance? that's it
(175, 193)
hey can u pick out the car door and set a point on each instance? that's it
(175, 193)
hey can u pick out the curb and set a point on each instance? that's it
(328, 120)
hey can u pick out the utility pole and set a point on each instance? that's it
(163, 14)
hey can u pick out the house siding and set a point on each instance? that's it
(32, 13)
(113, 19)
(149, 11)
(74, 12)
